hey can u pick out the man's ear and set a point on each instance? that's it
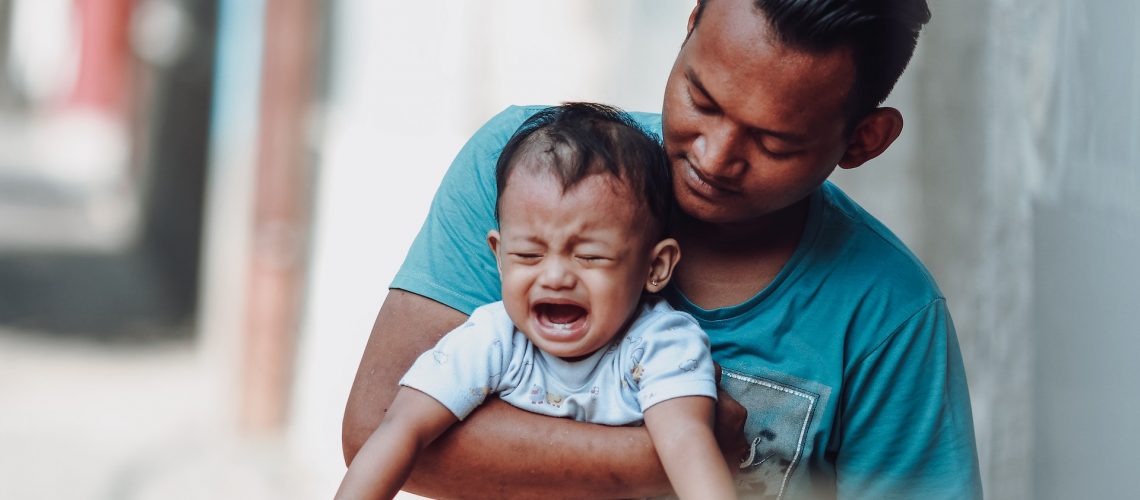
(493, 241)
(664, 258)
(873, 135)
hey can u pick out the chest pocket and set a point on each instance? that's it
(779, 416)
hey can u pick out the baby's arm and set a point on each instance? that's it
(682, 433)
(379, 470)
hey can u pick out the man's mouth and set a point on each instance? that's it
(702, 184)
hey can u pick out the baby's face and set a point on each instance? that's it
(573, 264)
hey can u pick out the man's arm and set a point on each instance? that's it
(907, 427)
(498, 448)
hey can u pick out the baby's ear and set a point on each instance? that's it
(662, 260)
(493, 241)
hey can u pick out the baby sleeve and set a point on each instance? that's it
(670, 358)
(467, 364)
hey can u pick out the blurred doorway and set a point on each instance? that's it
(104, 114)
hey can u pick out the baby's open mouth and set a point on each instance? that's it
(560, 316)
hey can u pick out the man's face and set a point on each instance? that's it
(573, 265)
(751, 126)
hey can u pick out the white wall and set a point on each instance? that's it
(1086, 239)
(1026, 170)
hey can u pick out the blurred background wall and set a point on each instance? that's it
(202, 204)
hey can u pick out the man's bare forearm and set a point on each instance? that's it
(499, 450)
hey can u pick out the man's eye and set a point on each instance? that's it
(778, 156)
(701, 105)
(775, 155)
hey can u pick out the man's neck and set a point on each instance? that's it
(725, 264)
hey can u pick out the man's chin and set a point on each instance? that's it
(703, 211)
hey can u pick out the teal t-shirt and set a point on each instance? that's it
(847, 362)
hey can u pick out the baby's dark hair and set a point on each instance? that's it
(578, 139)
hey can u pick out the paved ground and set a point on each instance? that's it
(81, 420)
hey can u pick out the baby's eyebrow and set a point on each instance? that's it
(515, 238)
(604, 243)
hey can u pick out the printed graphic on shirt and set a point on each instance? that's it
(689, 365)
(638, 369)
(537, 394)
(554, 400)
(779, 417)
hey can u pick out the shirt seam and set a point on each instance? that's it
(423, 285)
(895, 331)
(899, 248)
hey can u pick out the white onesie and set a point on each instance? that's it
(663, 355)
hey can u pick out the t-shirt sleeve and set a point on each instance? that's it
(449, 261)
(670, 358)
(907, 425)
(467, 364)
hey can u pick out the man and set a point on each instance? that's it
(831, 335)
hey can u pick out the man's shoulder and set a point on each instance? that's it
(864, 274)
(870, 252)
(501, 126)
(495, 132)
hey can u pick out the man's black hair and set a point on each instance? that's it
(881, 33)
(576, 140)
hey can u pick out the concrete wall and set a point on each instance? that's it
(1086, 238)
(1018, 188)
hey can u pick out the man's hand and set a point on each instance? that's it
(730, 418)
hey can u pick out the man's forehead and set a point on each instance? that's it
(740, 25)
(738, 57)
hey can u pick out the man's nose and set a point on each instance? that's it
(556, 274)
(717, 151)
